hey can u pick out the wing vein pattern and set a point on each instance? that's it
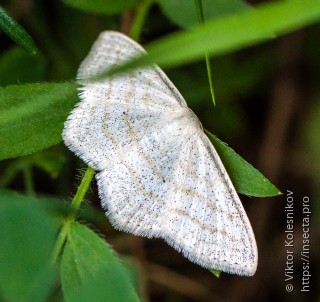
(158, 173)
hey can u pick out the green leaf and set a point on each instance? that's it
(90, 271)
(183, 12)
(17, 66)
(132, 271)
(215, 272)
(50, 162)
(27, 237)
(228, 34)
(32, 116)
(246, 179)
(102, 6)
(16, 32)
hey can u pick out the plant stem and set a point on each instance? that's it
(83, 188)
(139, 19)
(75, 205)
(199, 10)
(60, 240)
(9, 173)
(28, 181)
(208, 63)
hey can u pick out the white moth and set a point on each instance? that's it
(159, 175)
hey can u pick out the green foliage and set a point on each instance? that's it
(246, 179)
(50, 162)
(90, 271)
(215, 272)
(38, 239)
(16, 32)
(102, 6)
(17, 66)
(228, 34)
(40, 110)
(27, 236)
(183, 13)
(201, 19)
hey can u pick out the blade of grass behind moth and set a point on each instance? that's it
(199, 10)
(230, 34)
(139, 19)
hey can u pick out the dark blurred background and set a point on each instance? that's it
(268, 109)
